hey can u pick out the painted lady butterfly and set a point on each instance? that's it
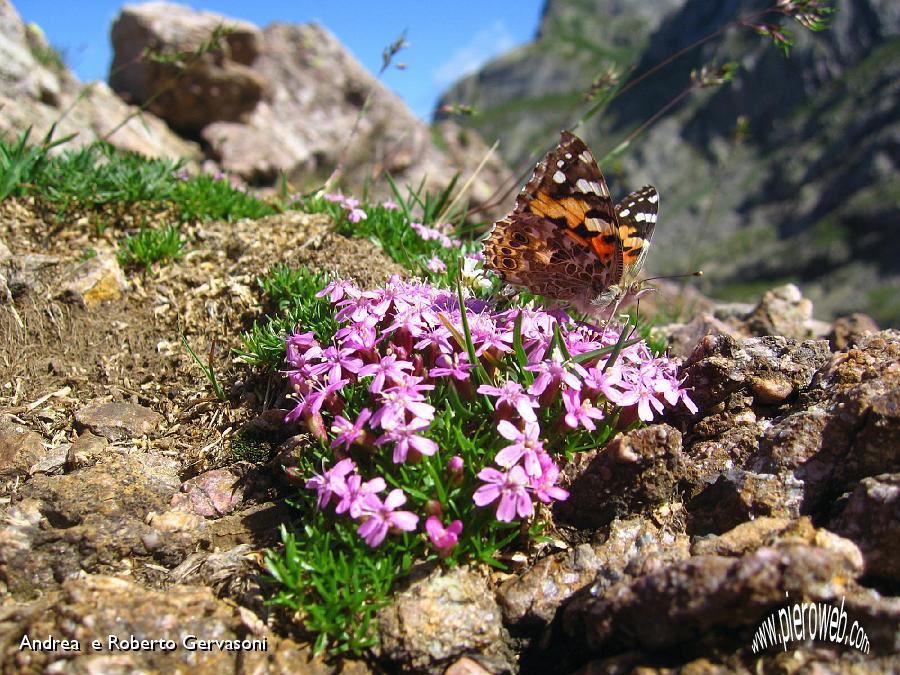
(566, 240)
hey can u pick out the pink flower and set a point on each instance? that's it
(405, 440)
(436, 265)
(455, 366)
(335, 290)
(357, 215)
(380, 517)
(334, 361)
(390, 205)
(525, 444)
(311, 402)
(670, 389)
(443, 538)
(332, 482)
(544, 485)
(355, 308)
(553, 372)
(400, 399)
(351, 500)
(387, 367)
(509, 488)
(511, 395)
(643, 394)
(347, 432)
(599, 381)
(580, 412)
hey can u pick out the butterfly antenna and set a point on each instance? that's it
(698, 273)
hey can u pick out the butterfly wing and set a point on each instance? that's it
(562, 239)
(637, 215)
(531, 251)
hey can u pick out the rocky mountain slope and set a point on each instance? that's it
(37, 91)
(258, 103)
(789, 173)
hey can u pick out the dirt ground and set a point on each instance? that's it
(59, 353)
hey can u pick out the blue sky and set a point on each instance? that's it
(446, 39)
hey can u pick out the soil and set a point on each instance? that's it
(60, 354)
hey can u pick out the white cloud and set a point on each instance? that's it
(487, 43)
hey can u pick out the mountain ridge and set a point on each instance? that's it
(785, 174)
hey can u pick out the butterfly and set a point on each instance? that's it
(565, 239)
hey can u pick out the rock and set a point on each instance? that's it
(467, 666)
(264, 108)
(234, 573)
(765, 531)
(782, 311)
(682, 338)
(97, 280)
(144, 483)
(108, 609)
(39, 91)
(871, 518)
(213, 568)
(705, 597)
(258, 524)
(721, 441)
(91, 520)
(27, 273)
(173, 521)
(438, 620)
(53, 462)
(309, 124)
(738, 496)
(211, 494)
(850, 431)
(195, 82)
(634, 547)
(117, 420)
(84, 450)
(20, 448)
(849, 330)
(770, 369)
(635, 473)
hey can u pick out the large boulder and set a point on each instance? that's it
(286, 100)
(37, 91)
(199, 71)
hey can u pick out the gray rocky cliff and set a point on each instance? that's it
(788, 173)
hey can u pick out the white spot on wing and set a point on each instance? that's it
(624, 213)
(559, 177)
(586, 186)
(585, 156)
(568, 155)
(653, 199)
(560, 164)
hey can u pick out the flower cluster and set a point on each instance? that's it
(438, 234)
(343, 486)
(404, 366)
(355, 214)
